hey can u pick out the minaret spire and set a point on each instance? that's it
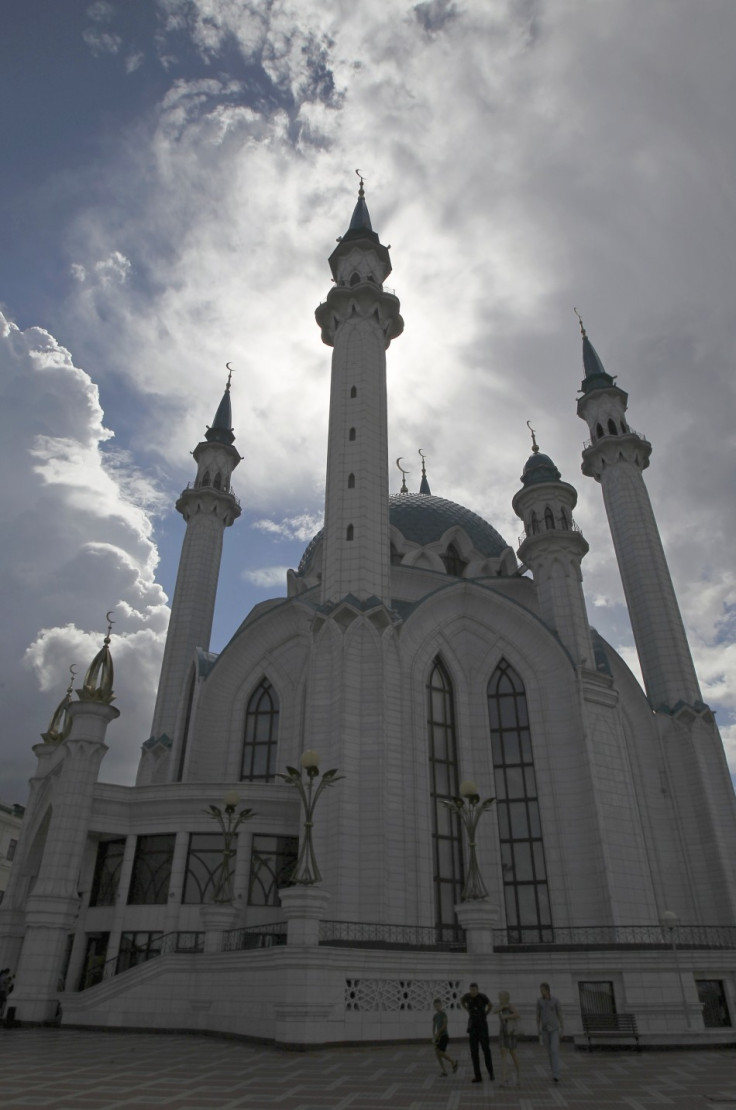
(208, 507)
(616, 457)
(424, 485)
(359, 318)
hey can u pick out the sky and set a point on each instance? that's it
(174, 176)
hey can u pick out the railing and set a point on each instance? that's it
(613, 435)
(360, 934)
(216, 489)
(565, 525)
(191, 943)
(617, 936)
(255, 936)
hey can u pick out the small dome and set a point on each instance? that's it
(423, 519)
(539, 468)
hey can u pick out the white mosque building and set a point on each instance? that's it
(418, 655)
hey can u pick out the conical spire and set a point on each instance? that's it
(97, 685)
(360, 221)
(595, 375)
(60, 723)
(424, 485)
(222, 426)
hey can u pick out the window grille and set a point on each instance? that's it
(446, 833)
(528, 916)
(261, 734)
(272, 860)
(149, 883)
(107, 872)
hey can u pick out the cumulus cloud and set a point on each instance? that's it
(78, 542)
(301, 527)
(267, 578)
(521, 159)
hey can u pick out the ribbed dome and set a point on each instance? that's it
(540, 468)
(424, 519)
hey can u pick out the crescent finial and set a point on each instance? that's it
(110, 623)
(72, 673)
(230, 373)
(362, 179)
(535, 448)
(580, 319)
(403, 475)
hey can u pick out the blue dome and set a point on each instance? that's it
(424, 519)
(540, 468)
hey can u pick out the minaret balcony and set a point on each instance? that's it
(609, 449)
(613, 435)
(365, 299)
(560, 529)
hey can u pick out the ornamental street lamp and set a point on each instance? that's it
(470, 809)
(229, 822)
(670, 921)
(306, 871)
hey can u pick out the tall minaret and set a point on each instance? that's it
(553, 548)
(208, 508)
(616, 456)
(358, 319)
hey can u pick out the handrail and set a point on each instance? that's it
(613, 435)
(185, 943)
(569, 526)
(364, 934)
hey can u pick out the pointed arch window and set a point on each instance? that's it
(443, 783)
(613, 430)
(206, 480)
(535, 524)
(350, 532)
(353, 392)
(261, 734)
(528, 917)
(217, 484)
(549, 519)
(564, 522)
(351, 481)
(599, 430)
(454, 564)
(351, 434)
(355, 278)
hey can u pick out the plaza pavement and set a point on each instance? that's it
(89, 1070)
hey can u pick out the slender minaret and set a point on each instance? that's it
(77, 738)
(208, 508)
(358, 319)
(616, 456)
(553, 548)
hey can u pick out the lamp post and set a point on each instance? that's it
(470, 809)
(306, 871)
(670, 921)
(229, 823)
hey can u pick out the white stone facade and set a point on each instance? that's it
(412, 656)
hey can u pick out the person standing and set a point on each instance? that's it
(441, 1038)
(550, 1027)
(508, 1017)
(478, 1006)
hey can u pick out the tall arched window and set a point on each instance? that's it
(549, 519)
(351, 481)
(351, 434)
(520, 831)
(261, 734)
(443, 783)
(454, 563)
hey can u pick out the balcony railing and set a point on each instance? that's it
(361, 934)
(562, 524)
(617, 936)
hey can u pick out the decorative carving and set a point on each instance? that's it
(401, 994)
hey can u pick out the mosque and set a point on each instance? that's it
(421, 767)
